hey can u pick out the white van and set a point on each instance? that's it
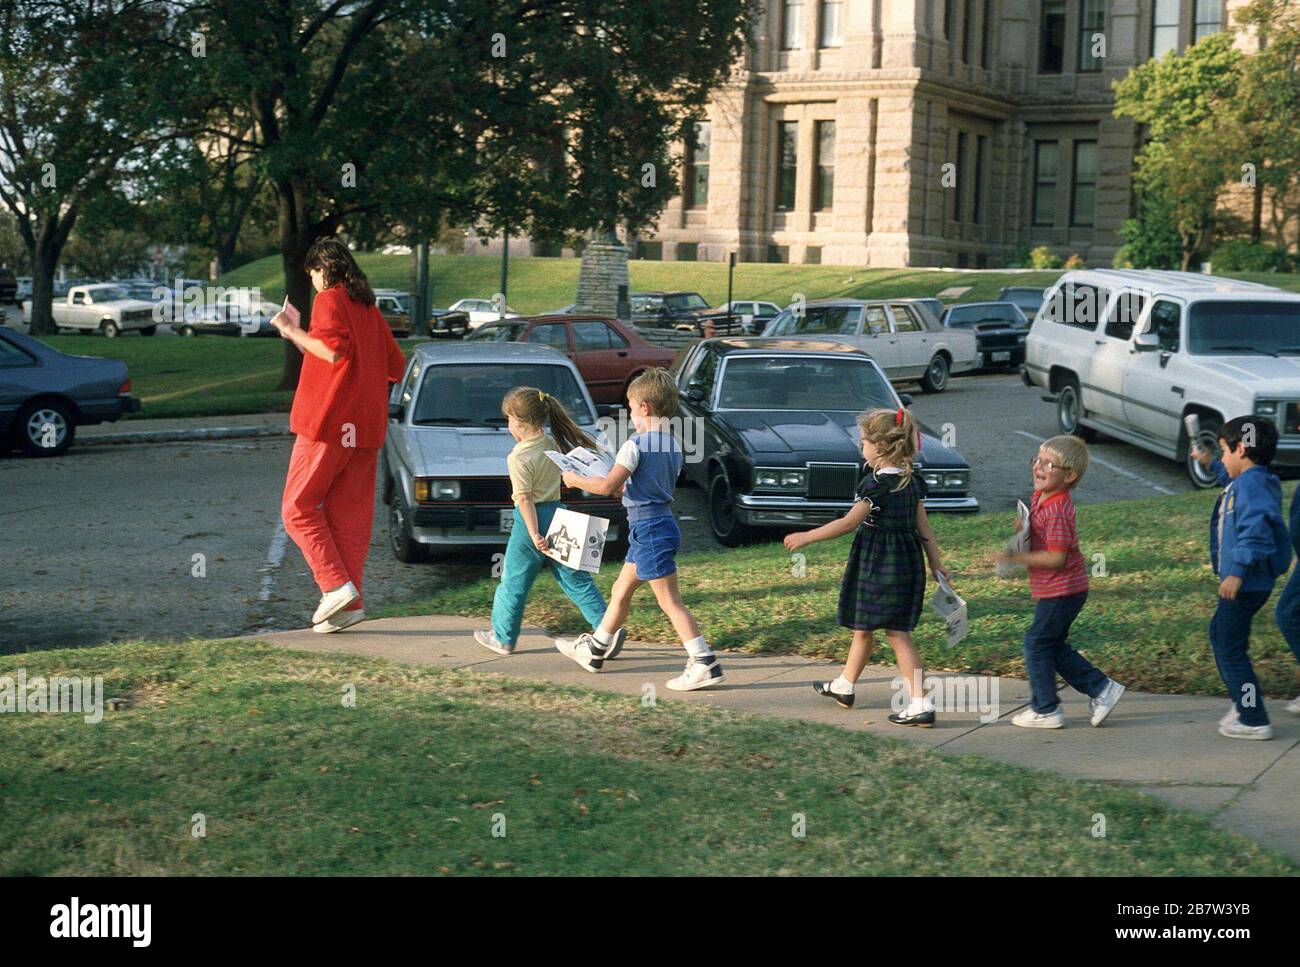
(1131, 353)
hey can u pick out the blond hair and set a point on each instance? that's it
(656, 388)
(527, 404)
(895, 435)
(1073, 454)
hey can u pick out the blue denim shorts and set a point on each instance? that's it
(652, 545)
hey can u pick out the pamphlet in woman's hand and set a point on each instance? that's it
(583, 462)
(291, 312)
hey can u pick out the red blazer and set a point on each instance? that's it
(352, 392)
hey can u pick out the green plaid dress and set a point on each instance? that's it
(884, 581)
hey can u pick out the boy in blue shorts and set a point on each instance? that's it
(646, 469)
(1249, 548)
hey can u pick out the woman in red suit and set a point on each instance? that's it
(340, 415)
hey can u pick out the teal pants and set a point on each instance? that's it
(523, 561)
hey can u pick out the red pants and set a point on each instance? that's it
(329, 508)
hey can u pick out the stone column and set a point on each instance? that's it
(603, 270)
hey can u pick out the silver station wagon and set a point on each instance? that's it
(443, 467)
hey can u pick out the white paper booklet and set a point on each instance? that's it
(1018, 544)
(583, 462)
(951, 608)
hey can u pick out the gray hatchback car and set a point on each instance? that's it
(443, 468)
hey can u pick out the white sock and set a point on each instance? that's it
(697, 647)
(842, 686)
(602, 636)
(918, 706)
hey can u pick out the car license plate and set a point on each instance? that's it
(507, 520)
(1001, 357)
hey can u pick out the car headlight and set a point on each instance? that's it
(932, 479)
(1266, 408)
(437, 490)
(777, 478)
(956, 481)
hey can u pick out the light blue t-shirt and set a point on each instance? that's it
(654, 460)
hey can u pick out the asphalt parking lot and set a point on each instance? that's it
(183, 540)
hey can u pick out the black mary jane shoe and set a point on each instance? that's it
(923, 720)
(824, 688)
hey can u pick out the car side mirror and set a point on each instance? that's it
(1145, 342)
(396, 411)
(696, 395)
(905, 399)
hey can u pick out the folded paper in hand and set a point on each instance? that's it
(1018, 544)
(583, 462)
(951, 608)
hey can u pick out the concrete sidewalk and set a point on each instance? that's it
(185, 428)
(1164, 745)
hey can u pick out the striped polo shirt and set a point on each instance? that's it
(1051, 528)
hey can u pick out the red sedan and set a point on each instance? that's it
(608, 353)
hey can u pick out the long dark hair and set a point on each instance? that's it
(340, 268)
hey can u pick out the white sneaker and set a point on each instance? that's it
(332, 602)
(1102, 705)
(584, 649)
(1029, 719)
(489, 641)
(1294, 707)
(699, 673)
(340, 621)
(1236, 730)
(1229, 716)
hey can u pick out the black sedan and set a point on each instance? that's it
(45, 394)
(1000, 329)
(779, 443)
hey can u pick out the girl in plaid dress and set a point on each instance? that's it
(884, 582)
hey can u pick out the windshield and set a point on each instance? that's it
(971, 315)
(835, 320)
(470, 394)
(686, 300)
(803, 383)
(108, 293)
(497, 333)
(1254, 328)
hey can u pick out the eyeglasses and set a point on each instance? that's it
(1047, 465)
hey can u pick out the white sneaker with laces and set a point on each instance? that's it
(488, 640)
(584, 649)
(1029, 719)
(340, 621)
(332, 602)
(699, 673)
(1229, 716)
(1236, 730)
(1104, 703)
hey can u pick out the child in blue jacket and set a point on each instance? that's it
(1249, 549)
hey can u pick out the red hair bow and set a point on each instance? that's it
(898, 417)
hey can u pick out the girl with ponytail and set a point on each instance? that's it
(884, 582)
(535, 490)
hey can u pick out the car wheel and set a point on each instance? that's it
(188, 332)
(405, 547)
(935, 379)
(1203, 477)
(148, 330)
(723, 521)
(45, 429)
(1069, 409)
(109, 329)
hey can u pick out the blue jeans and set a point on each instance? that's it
(522, 563)
(1288, 612)
(1048, 651)
(1230, 640)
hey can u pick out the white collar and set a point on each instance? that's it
(889, 470)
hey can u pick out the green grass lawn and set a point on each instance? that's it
(413, 779)
(1145, 623)
(542, 284)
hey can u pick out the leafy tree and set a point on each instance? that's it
(1151, 240)
(77, 82)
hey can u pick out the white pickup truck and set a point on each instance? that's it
(104, 308)
(1133, 353)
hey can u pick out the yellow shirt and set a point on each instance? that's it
(532, 474)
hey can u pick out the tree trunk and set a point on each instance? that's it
(296, 236)
(1257, 214)
(43, 265)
